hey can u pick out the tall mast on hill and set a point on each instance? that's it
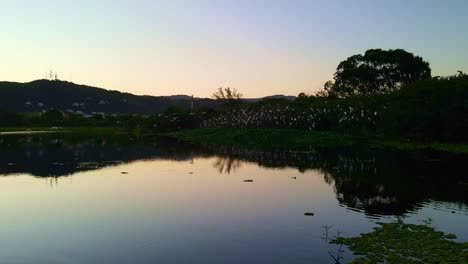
(191, 105)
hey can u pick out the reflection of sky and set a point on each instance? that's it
(160, 211)
(192, 47)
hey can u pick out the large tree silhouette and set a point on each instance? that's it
(377, 71)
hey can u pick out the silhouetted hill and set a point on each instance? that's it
(62, 95)
(277, 96)
(179, 97)
(280, 96)
(45, 94)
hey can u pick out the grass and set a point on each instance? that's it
(290, 138)
(405, 243)
(63, 129)
(15, 129)
(417, 146)
(81, 130)
(303, 139)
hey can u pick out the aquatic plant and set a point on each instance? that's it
(88, 165)
(399, 242)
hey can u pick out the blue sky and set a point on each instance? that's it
(193, 47)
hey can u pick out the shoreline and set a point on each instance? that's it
(302, 140)
(30, 132)
(294, 139)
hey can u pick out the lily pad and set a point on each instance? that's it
(405, 243)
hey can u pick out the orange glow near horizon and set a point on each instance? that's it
(189, 47)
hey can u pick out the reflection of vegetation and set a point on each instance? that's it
(55, 155)
(227, 164)
(88, 165)
(406, 243)
(374, 181)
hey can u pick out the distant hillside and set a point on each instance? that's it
(278, 96)
(45, 94)
(66, 96)
(179, 97)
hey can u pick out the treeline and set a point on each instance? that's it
(435, 109)
(382, 92)
(430, 110)
(390, 93)
(173, 118)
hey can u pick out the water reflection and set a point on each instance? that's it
(375, 182)
(46, 155)
(226, 164)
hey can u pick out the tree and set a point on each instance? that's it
(53, 117)
(377, 71)
(8, 118)
(229, 97)
(175, 110)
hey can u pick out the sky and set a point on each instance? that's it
(259, 47)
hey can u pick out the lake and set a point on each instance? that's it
(67, 198)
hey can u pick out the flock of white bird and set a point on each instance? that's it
(289, 117)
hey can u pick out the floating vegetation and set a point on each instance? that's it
(405, 243)
(117, 162)
(309, 214)
(248, 180)
(88, 165)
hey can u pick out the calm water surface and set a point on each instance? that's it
(112, 200)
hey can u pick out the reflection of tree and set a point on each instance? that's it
(375, 197)
(376, 182)
(226, 164)
(50, 155)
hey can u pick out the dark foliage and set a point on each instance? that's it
(427, 110)
(230, 98)
(377, 71)
(430, 110)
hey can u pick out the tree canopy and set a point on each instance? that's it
(229, 97)
(377, 71)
